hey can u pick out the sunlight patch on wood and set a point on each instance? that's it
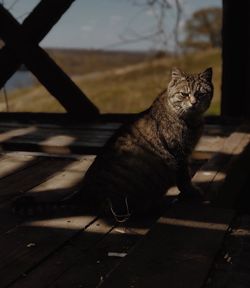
(69, 223)
(59, 140)
(12, 163)
(64, 181)
(208, 176)
(241, 232)
(193, 224)
(129, 230)
(51, 144)
(173, 191)
(16, 133)
(210, 143)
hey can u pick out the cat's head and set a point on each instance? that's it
(190, 94)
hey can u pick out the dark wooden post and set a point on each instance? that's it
(236, 59)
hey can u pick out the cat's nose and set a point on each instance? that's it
(192, 99)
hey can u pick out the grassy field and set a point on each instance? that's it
(129, 88)
(83, 61)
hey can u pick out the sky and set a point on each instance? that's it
(107, 24)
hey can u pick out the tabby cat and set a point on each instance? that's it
(150, 154)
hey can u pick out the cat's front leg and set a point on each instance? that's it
(187, 189)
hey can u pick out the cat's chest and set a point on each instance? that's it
(181, 140)
(188, 140)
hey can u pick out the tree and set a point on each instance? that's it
(203, 29)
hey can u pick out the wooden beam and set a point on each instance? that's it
(37, 26)
(44, 68)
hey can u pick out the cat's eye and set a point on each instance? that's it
(200, 94)
(184, 94)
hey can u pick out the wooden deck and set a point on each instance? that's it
(73, 249)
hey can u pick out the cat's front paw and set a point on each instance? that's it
(194, 193)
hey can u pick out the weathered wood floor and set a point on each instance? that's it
(73, 249)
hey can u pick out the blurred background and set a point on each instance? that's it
(120, 53)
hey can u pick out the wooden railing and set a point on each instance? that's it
(22, 47)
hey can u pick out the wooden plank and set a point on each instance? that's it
(50, 181)
(17, 256)
(37, 26)
(220, 178)
(210, 143)
(31, 138)
(178, 250)
(100, 260)
(10, 164)
(39, 63)
(223, 129)
(70, 255)
(230, 190)
(75, 126)
(213, 174)
(87, 138)
(63, 182)
(54, 146)
(43, 134)
(213, 138)
(88, 258)
(34, 133)
(6, 135)
(21, 179)
(64, 118)
(31, 176)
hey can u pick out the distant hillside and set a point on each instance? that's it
(83, 61)
(130, 88)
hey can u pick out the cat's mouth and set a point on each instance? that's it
(197, 110)
(190, 107)
(192, 110)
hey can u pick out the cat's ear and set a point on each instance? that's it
(207, 74)
(176, 73)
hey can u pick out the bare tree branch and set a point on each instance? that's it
(161, 34)
(177, 24)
